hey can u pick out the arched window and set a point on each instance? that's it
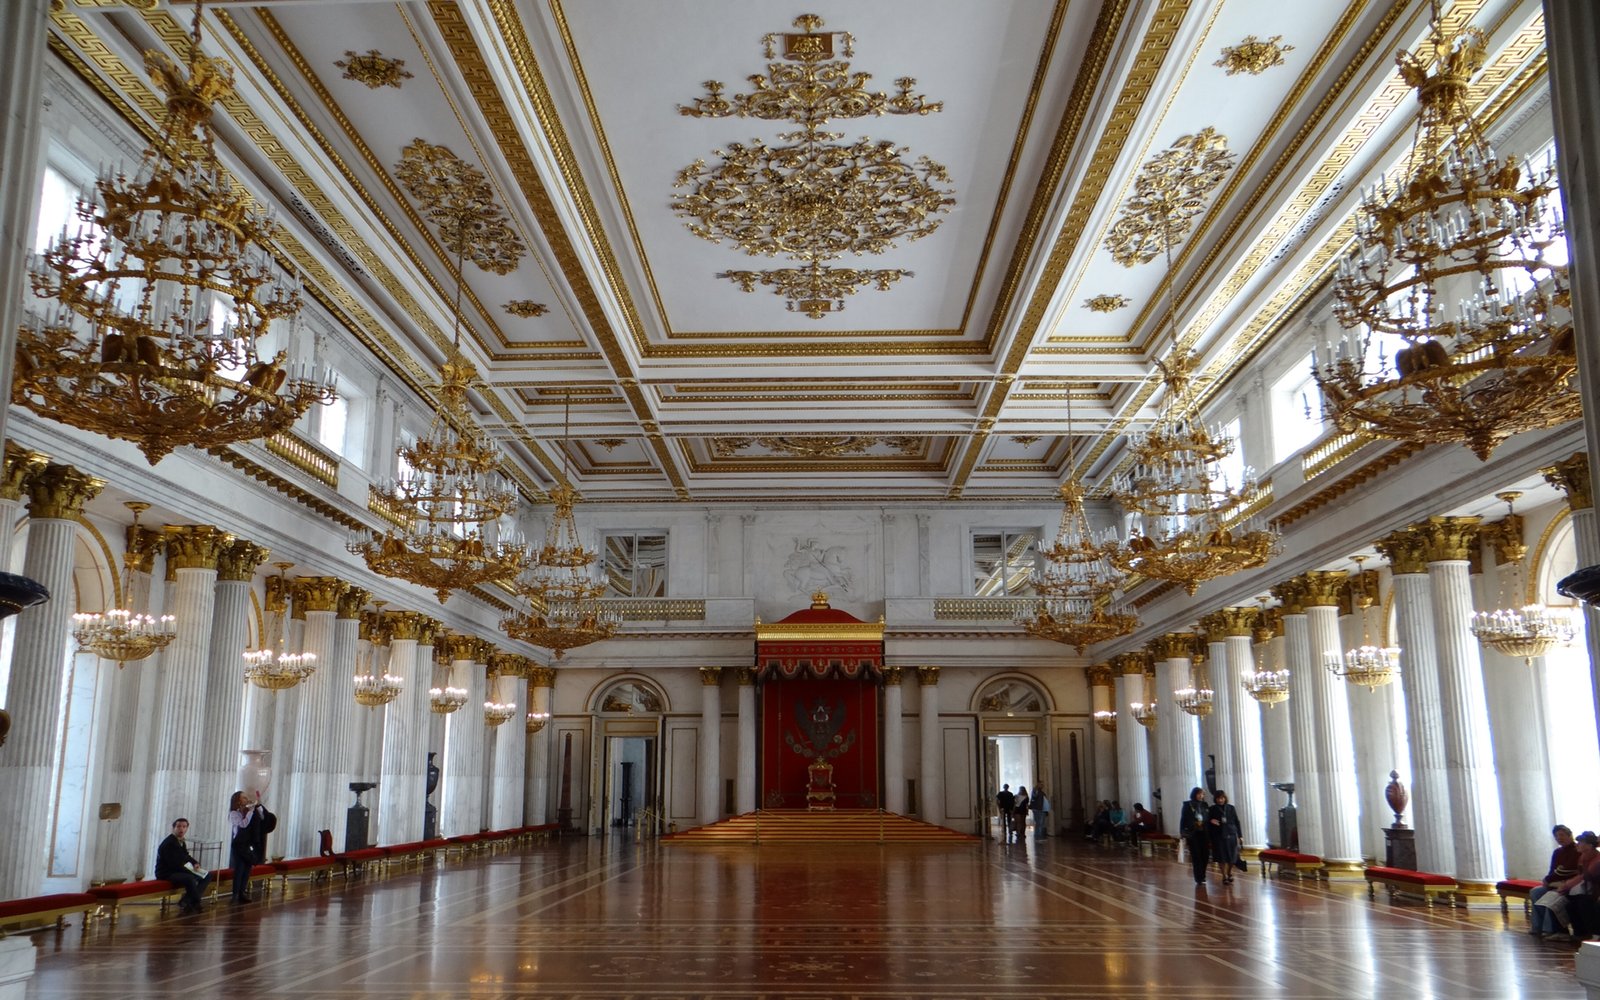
(1568, 691)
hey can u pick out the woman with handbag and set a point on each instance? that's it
(1226, 835)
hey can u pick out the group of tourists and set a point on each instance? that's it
(1014, 807)
(249, 823)
(1211, 832)
(1566, 903)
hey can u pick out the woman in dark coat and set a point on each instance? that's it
(1194, 830)
(1225, 834)
(1019, 814)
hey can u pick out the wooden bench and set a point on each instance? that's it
(1150, 843)
(1405, 880)
(119, 894)
(1290, 861)
(1515, 888)
(34, 912)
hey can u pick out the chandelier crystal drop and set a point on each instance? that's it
(374, 685)
(1369, 665)
(122, 634)
(1532, 630)
(273, 667)
(1455, 298)
(129, 341)
(1186, 523)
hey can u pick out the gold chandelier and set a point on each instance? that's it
(272, 666)
(1451, 267)
(1533, 629)
(1144, 713)
(1079, 590)
(122, 634)
(447, 698)
(374, 685)
(535, 722)
(1268, 683)
(1369, 665)
(1198, 698)
(1106, 719)
(495, 711)
(450, 493)
(1186, 523)
(565, 607)
(131, 346)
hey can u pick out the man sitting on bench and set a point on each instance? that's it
(175, 864)
(1142, 822)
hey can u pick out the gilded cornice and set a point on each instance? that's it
(1100, 675)
(20, 464)
(1448, 539)
(928, 676)
(195, 546)
(542, 677)
(140, 547)
(710, 676)
(402, 625)
(318, 593)
(240, 560)
(1570, 476)
(1172, 646)
(352, 601)
(1291, 596)
(59, 492)
(1320, 588)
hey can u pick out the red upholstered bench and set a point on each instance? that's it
(1286, 860)
(1404, 880)
(355, 862)
(1515, 888)
(41, 911)
(258, 874)
(148, 891)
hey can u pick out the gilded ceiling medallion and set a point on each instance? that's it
(1168, 193)
(373, 69)
(1027, 440)
(1253, 55)
(526, 308)
(815, 445)
(1106, 303)
(812, 199)
(456, 197)
(610, 444)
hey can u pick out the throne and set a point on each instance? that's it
(819, 789)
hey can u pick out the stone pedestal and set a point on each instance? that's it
(16, 966)
(1400, 849)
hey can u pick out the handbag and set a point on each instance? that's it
(1241, 865)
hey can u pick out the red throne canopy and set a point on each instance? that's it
(819, 671)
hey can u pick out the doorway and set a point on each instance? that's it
(1008, 760)
(630, 780)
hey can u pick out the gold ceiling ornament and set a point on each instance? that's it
(1026, 440)
(373, 69)
(1533, 629)
(818, 445)
(1368, 665)
(122, 634)
(813, 199)
(1186, 523)
(457, 198)
(452, 503)
(526, 308)
(1253, 55)
(1106, 303)
(610, 444)
(1458, 324)
(1168, 193)
(129, 346)
(272, 666)
(564, 609)
(374, 685)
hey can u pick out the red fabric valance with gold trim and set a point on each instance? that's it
(819, 642)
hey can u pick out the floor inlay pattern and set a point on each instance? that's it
(591, 918)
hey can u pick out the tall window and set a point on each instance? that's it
(636, 563)
(1296, 411)
(58, 208)
(1003, 561)
(1231, 469)
(1569, 720)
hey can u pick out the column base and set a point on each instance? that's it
(1344, 869)
(1477, 894)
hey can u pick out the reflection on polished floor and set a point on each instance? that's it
(606, 918)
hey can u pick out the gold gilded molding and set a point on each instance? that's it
(817, 445)
(1106, 303)
(400, 625)
(541, 677)
(1253, 55)
(20, 464)
(1536, 564)
(1172, 646)
(1100, 676)
(1238, 621)
(1321, 588)
(352, 601)
(240, 560)
(928, 676)
(1571, 477)
(893, 676)
(1448, 539)
(1291, 595)
(1404, 550)
(710, 676)
(60, 492)
(457, 647)
(319, 593)
(1168, 193)
(456, 197)
(1131, 664)
(140, 548)
(373, 69)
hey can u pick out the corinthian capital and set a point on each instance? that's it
(238, 562)
(60, 491)
(1571, 477)
(1403, 549)
(319, 593)
(1448, 538)
(1322, 588)
(21, 464)
(195, 546)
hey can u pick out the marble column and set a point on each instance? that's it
(403, 760)
(261, 704)
(1177, 761)
(342, 721)
(307, 805)
(461, 794)
(1337, 787)
(1431, 814)
(224, 703)
(930, 783)
(1214, 727)
(1103, 698)
(744, 794)
(1468, 746)
(510, 744)
(1297, 659)
(536, 805)
(24, 27)
(1371, 722)
(19, 465)
(1133, 748)
(372, 657)
(894, 741)
(1248, 793)
(710, 777)
(56, 496)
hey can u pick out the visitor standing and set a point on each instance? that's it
(1196, 834)
(1226, 835)
(1004, 800)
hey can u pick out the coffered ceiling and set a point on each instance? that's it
(983, 161)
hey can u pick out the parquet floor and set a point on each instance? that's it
(590, 918)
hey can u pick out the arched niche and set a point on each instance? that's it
(629, 695)
(1011, 695)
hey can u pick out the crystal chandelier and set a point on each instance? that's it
(1196, 699)
(128, 346)
(1268, 683)
(495, 711)
(1186, 523)
(273, 667)
(565, 607)
(1371, 666)
(1106, 718)
(1533, 629)
(122, 634)
(1144, 713)
(448, 698)
(1451, 267)
(374, 685)
(535, 722)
